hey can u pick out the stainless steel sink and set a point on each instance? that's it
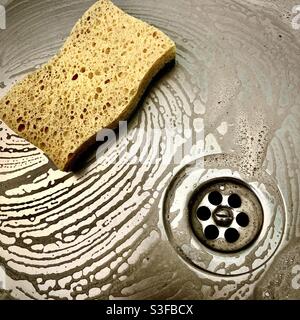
(224, 119)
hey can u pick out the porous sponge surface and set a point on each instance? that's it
(95, 81)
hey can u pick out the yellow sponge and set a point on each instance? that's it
(95, 81)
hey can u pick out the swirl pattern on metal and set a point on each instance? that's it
(100, 233)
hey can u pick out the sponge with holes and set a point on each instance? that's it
(95, 81)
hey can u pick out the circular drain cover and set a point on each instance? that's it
(225, 214)
(221, 221)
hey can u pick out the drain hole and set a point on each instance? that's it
(211, 232)
(242, 219)
(215, 198)
(234, 201)
(231, 235)
(203, 213)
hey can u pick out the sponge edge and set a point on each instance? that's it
(95, 81)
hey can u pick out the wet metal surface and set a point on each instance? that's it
(118, 230)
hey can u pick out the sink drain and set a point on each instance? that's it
(221, 222)
(225, 214)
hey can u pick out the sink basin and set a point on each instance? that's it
(120, 227)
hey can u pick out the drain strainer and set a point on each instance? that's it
(220, 221)
(225, 214)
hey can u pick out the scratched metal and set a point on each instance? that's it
(99, 233)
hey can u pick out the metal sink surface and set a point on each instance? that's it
(120, 228)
